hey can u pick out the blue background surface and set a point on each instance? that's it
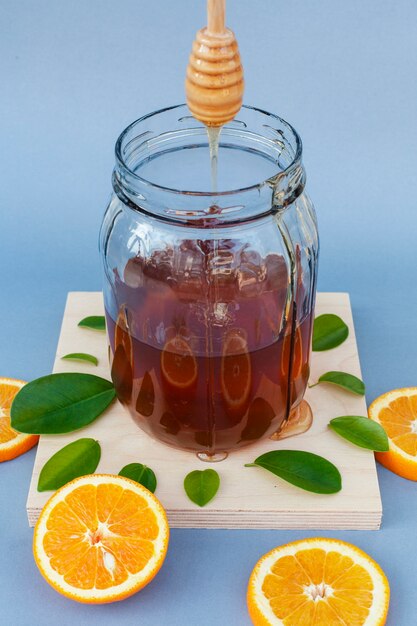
(73, 75)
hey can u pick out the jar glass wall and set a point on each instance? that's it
(209, 297)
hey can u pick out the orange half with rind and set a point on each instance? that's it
(236, 373)
(100, 538)
(396, 411)
(12, 443)
(317, 582)
(178, 364)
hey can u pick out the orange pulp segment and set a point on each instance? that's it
(100, 538)
(396, 411)
(317, 582)
(12, 443)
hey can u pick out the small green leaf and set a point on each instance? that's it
(342, 379)
(60, 403)
(361, 431)
(142, 474)
(329, 331)
(302, 469)
(201, 486)
(81, 356)
(78, 458)
(95, 322)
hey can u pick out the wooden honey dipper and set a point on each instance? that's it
(214, 82)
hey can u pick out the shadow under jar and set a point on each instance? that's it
(209, 296)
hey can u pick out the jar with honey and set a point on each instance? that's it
(209, 294)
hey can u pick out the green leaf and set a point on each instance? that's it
(342, 379)
(302, 469)
(142, 474)
(81, 356)
(78, 458)
(95, 322)
(201, 486)
(60, 403)
(329, 331)
(361, 431)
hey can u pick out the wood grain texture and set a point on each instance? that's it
(248, 497)
(216, 15)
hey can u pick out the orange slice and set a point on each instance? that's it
(100, 538)
(236, 373)
(122, 334)
(396, 411)
(318, 582)
(178, 364)
(12, 443)
(122, 362)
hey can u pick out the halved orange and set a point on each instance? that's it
(100, 538)
(236, 373)
(12, 443)
(178, 364)
(317, 582)
(396, 411)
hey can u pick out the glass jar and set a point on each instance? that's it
(209, 295)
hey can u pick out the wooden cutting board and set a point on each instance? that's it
(248, 497)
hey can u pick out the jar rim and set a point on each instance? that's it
(282, 172)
